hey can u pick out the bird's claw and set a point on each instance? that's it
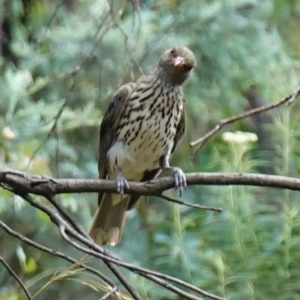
(180, 180)
(122, 183)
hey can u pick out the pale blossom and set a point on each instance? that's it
(8, 134)
(239, 137)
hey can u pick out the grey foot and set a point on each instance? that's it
(180, 179)
(121, 184)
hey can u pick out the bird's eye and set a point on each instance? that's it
(172, 51)
(187, 68)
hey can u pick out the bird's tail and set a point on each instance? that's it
(108, 223)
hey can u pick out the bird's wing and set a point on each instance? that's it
(180, 128)
(109, 123)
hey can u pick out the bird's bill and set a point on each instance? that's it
(178, 61)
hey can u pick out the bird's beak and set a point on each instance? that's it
(178, 61)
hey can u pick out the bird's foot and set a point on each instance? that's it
(122, 183)
(180, 179)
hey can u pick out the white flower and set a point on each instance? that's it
(239, 137)
(8, 134)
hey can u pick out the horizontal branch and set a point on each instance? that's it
(33, 184)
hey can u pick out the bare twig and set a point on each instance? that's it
(126, 37)
(144, 273)
(53, 15)
(52, 129)
(134, 294)
(11, 272)
(201, 141)
(109, 293)
(55, 217)
(178, 201)
(109, 259)
(73, 73)
(66, 215)
(55, 253)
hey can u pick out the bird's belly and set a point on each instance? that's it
(150, 151)
(141, 145)
(150, 144)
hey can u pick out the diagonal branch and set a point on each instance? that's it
(11, 271)
(144, 273)
(109, 293)
(55, 217)
(201, 141)
(55, 253)
(93, 249)
(64, 213)
(197, 206)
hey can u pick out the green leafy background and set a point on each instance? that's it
(60, 63)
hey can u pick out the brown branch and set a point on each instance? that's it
(201, 141)
(145, 273)
(93, 249)
(11, 271)
(65, 214)
(55, 253)
(59, 222)
(109, 293)
(197, 206)
(46, 186)
(22, 184)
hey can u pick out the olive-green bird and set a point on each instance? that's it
(139, 131)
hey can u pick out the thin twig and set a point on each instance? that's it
(99, 252)
(51, 131)
(11, 271)
(153, 275)
(109, 293)
(123, 281)
(126, 38)
(55, 253)
(171, 199)
(174, 289)
(72, 74)
(149, 274)
(52, 17)
(201, 141)
(55, 217)
(66, 215)
(163, 283)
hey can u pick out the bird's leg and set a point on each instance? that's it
(178, 175)
(122, 183)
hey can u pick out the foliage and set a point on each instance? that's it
(60, 63)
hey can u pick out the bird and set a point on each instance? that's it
(139, 131)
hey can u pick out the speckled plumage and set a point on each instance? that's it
(138, 133)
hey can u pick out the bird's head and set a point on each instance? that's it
(176, 64)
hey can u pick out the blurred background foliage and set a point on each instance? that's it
(60, 63)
